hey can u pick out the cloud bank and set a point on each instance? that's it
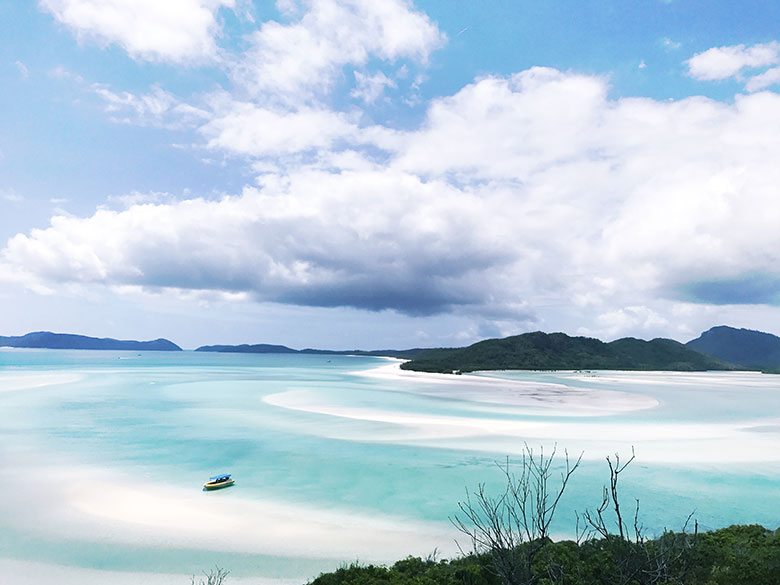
(514, 193)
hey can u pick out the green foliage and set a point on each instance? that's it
(738, 555)
(558, 351)
(469, 570)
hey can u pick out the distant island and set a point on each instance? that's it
(268, 348)
(48, 340)
(558, 351)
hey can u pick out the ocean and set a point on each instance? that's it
(341, 459)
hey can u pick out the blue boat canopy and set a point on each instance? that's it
(219, 477)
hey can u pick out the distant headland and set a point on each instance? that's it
(48, 340)
(266, 348)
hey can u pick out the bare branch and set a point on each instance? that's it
(514, 526)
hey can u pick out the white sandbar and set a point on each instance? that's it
(563, 400)
(479, 429)
(99, 505)
(22, 381)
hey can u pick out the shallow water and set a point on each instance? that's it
(105, 453)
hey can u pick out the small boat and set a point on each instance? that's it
(218, 482)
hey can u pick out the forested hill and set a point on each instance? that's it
(48, 340)
(558, 351)
(268, 348)
(246, 348)
(748, 348)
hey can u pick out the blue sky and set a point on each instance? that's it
(361, 174)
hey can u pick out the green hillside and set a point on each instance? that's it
(267, 348)
(748, 348)
(558, 351)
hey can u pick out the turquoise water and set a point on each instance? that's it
(106, 452)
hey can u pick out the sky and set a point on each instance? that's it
(362, 174)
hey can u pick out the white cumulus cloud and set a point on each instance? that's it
(302, 240)
(370, 88)
(724, 62)
(303, 59)
(152, 30)
(245, 128)
(762, 81)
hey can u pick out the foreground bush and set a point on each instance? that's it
(737, 555)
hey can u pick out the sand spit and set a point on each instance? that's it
(661, 442)
(559, 399)
(417, 426)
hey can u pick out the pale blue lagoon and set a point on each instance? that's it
(339, 458)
